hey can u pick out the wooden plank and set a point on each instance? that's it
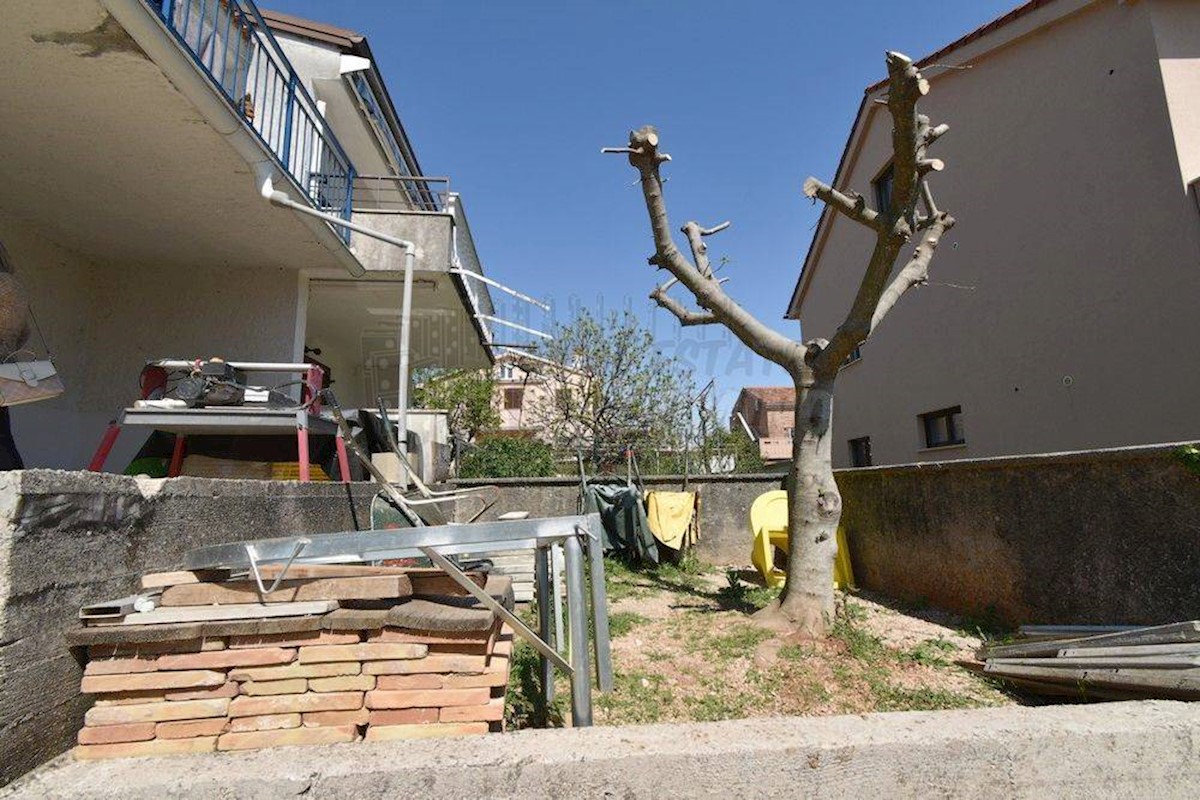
(1188, 648)
(430, 616)
(416, 575)
(435, 583)
(1174, 684)
(372, 587)
(161, 580)
(171, 632)
(1174, 633)
(299, 571)
(356, 619)
(1165, 661)
(231, 611)
(1071, 631)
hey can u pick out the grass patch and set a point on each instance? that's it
(622, 622)
(931, 653)
(523, 708)
(736, 641)
(637, 697)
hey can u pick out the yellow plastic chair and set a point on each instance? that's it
(768, 522)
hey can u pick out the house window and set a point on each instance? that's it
(860, 451)
(513, 398)
(943, 428)
(883, 189)
(506, 372)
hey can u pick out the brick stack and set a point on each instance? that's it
(238, 685)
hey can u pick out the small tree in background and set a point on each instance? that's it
(814, 503)
(466, 395)
(607, 386)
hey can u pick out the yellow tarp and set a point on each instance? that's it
(672, 517)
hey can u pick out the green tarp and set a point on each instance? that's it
(623, 514)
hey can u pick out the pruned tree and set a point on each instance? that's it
(807, 603)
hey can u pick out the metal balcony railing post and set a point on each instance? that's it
(286, 155)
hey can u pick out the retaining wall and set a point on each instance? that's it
(70, 538)
(1145, 749)
(724, 505)
(1095, 537)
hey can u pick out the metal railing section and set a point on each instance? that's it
(231, 42)
(466, 258)
(403, 193)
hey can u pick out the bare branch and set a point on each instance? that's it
(694, 234)
(910, 133)
(931, 208)
(853, 207)
(915, 272)
(715, 229)
(685, 317)
(760, 338)
(935, 133)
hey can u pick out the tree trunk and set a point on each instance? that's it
(814, 509)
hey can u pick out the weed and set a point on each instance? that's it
(931, 653)
(714, 705)
(637, 697)
(861, 645)
(889, 697)
(794, 652)
(622, 622)
(1189, 456)
(736, 641)
(523, 707)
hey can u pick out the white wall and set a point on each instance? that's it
(1061, 310)
(102, 322)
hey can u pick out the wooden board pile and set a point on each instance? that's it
(335, 654)
(1101, 663)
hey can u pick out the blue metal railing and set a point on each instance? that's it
(231, 42)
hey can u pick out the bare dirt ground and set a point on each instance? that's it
(685, 650)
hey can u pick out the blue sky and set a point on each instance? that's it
(514, 100)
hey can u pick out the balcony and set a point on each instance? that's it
(233, 46)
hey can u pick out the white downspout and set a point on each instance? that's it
(267, 189)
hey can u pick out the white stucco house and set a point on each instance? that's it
(138, 139)
(1061, 309)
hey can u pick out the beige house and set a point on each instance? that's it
(523, 396)
(1061, 311)
(767, 414)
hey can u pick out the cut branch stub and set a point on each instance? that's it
(642, 149)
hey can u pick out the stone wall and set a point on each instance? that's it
(1095, 537)
(724, 505)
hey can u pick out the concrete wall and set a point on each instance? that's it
(724, 505)
(1145, 749)
(1072, 270)
(1104, 537)
(67, 539)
